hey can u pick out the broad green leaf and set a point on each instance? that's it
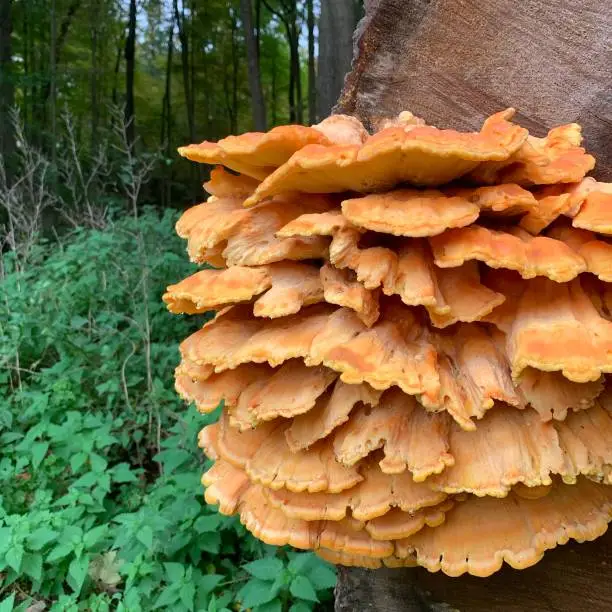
(97, 462)
(39, 450)
(77, 572)
(300, 606)
(174, 571)
(172, 458)
(14, 557)
(207, 582)
(322, 576)
(32, 565)
(93, 536)
(301, 562)
(187, 593)
(256, 592)
(41, 537)
(302, 588)
(87, 480)
(272, 606)
(145, 536)
(210, 542)
(265, 569)
(59, 552)
(6, 605)
(121, 473)
(170, 595)
(207, 523)
(77, 461)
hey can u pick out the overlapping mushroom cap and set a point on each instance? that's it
(411, 343)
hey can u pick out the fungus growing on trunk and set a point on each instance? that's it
(411, 343)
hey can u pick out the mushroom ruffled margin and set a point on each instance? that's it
(411, 343)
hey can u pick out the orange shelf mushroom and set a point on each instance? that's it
(411, 343)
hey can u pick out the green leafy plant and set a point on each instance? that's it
(101, 506)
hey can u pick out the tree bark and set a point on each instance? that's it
(453, 62)
(184, 39)
(571, 578)
(130, 60)
(294, 42)
(114, 94)
(336, 26)
(166, 118)
(258, 106)
(312, 86)
(95, 110)
(7, 87)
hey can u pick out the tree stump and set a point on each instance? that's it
(454, 62)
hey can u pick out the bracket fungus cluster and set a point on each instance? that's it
(411, 343)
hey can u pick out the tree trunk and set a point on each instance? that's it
(571, 578)
(95, 111)
(166, 118)
(235, 66)
(57, 43)
(115, 95)
(312, 86)
(53, 87)
(182, 32)
(453, 62)
(130, 57)
(7, 87)
(273, 77)
(335, 50)
(258, 107)
(295, 66)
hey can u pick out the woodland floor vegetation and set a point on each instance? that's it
(101, 506)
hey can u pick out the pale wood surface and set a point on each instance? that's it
(454, 62)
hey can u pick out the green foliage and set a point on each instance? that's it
(101, 506)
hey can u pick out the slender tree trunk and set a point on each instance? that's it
(166, 120)
(235, 65)
(180, 20)
(295, 63)
(192, 75)
(26, 69)
(130, 57)
(335, 51)
(95, 111)
(114, 94)
(312, 86)
(53, 92)
(273, 84)
(292, 73)
(58, 39)
(258, 107)
(7, 88)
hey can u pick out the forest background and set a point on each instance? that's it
(101, 504)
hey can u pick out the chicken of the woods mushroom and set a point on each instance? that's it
(412, 336)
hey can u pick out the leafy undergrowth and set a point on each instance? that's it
(101, 506)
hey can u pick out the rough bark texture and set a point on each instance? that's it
(336, 25)
(571, 578)
(258, 106)
(455, 61)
